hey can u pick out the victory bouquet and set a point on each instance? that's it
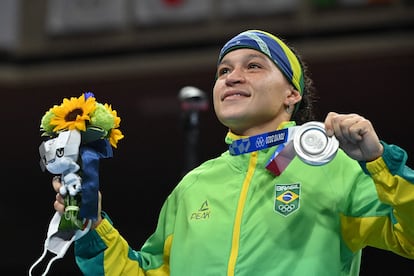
(79, 132)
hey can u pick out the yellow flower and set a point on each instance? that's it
(93, 119)
(73, 113)
(117, 120)
(115, 136)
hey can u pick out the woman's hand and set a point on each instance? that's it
(59, 204)
(355, 134)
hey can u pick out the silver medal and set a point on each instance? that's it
(312, 145)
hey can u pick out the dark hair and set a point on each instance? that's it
(305, 112)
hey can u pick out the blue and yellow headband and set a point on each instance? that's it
(272, 47)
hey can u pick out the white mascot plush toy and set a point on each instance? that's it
(59, 156)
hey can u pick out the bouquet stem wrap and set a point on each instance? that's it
(90, 156)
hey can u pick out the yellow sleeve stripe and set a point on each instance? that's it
(377, 232)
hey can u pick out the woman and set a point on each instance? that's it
(245, 212)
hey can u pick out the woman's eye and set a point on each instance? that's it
(254, 65)
(223, 71)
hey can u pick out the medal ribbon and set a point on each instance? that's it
(259, 142)
(283, 154)
(307, 141)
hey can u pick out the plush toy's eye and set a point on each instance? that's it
(60, 152)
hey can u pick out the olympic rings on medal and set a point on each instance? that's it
(312, 145)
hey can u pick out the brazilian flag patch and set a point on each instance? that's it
(287, 198)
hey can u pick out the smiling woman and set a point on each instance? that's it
(237, 205)
(350, 76)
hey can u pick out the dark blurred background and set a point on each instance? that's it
(137, 55)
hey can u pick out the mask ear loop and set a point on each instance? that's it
(38, 261)
(58, 256)
(57, 242)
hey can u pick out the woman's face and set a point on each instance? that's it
(250, 93)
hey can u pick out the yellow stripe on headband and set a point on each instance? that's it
(297, 78)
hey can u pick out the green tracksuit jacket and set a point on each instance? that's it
(230, 216)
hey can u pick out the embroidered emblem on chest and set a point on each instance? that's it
(287, 198)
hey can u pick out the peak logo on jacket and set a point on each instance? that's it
(287, 198)
(202, 213)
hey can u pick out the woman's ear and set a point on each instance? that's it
(293, 97)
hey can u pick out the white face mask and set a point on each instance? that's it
(58, 241)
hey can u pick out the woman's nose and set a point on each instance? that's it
(235, 76)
